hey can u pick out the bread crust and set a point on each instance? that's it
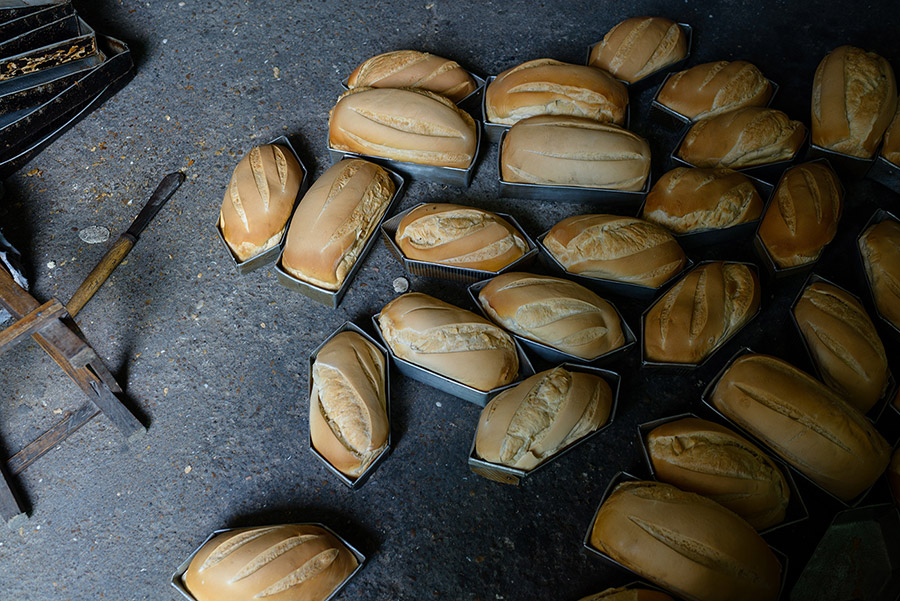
(628, 594)
(879, 246)
(413, 69)
(639, 46)
(714, 88)
(890, 150)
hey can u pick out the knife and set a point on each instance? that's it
(125, 243)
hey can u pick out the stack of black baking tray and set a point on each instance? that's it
(54, 69)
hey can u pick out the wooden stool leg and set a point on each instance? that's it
(10, 510)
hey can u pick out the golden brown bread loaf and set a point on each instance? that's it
(803, 215)
(639, 46)
(414, 69)
(624, 249)
(334, 221)
(293, 562)
(448, 340)
(804, 422)
(406, 124)
(713, 88)
(259, 200)
(701, 456)
(348, 420)
(460, 236)
(556, 312)
(549, 87)
(854, 97)
(686, 200)
(742, 138)
(890, 150)
(700, 312)
(686, 543)
(843, 343)
(573, 151)
(880, 249)
(525, 425)
(628, 594)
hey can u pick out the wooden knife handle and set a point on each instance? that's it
(104, 268)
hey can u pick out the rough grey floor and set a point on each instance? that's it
(217, 364)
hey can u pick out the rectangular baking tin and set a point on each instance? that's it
(479, 86)
(179, 585)
(877, 217)
(627, 289)
(621, 477)
(706, 399)
(796, 511)
(17, 55)
(49, 13)
(42, 37)
(874, 414)
(844, 164)
(685, 368)
(452, 176)
(449, 385)
(672, 119)
(269, 255)
(464, 275)
(332, 298)
(510, 475)
(355, 483)
(552, 355)
(15, 9)
(885, 173)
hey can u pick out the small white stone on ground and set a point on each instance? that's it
(94, 234)
(401, 285)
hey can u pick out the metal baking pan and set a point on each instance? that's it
(874, 414)
(706, 399)
(77, 40)
(672, 119)
(15, 9)
(877, 217)
(510, 475)
(268, 256)
(650, 79)
(47, 35)
(728, 235)
(452, 176)
(449, 385)
(463, 275)
(885, 173)
(627, 289)
(796, 511)
(552, 355)
(332, 298)
(28, 91)
(355, 483)
(43, 15)
(467, 100)
(617, 200)
(621, 477)
(844, 164)
(179, 585)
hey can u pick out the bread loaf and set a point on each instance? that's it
(414, 69)
(714, 88)
(450, 341)
(843, 343)
(639, 46)
(348, 420)
(804, 422)
(549, 87)
(890, 150)
(687, 200)
(803, 214)
(686, 543)
(854, 97)
(459, 236)
(880, 249)
(700, 456)
(259, 200)
(700, 312)
(525, 425)
(622, 249)
(293, 562)
(573, 151)
(334, 221)
(628, 594)
(411, 125)
(742, 138)
(556, 312)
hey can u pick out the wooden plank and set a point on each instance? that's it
(70, 424)
(118, 414)
(30, 324)
(10, 510)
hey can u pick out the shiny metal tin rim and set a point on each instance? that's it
(438, 270)
(553, 355)
(645, 81)
(269, 255)
(332, 298)
(796, 504)
(517, 475)
(355, 483)
(449, 385)
(885, 173)
(178, 584)
(850, 165)
(77, 30)
(479, 86)
(877, 217)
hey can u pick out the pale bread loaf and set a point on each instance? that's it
(714, 88)
(639, 46)
(890, 150)
(880, 249)
(413, 69)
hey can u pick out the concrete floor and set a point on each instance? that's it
(216, 363)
